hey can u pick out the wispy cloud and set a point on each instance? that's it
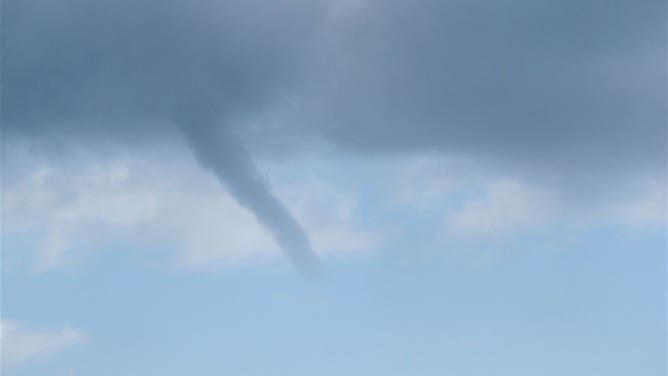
(22, 344)
(57, 214)
(506, 208)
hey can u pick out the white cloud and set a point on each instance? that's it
(647, 207)
(56, 213)
(479, 205)
(505, 208)
(61, 211)
(22, 344)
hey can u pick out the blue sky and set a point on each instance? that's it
(333, 187)
(573, 310)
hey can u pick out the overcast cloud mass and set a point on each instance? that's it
(561, 87)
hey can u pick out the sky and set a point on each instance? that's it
(333, 187)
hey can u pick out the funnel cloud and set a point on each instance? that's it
(220, 150)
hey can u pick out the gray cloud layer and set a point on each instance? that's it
(124, 66)
(572, 91)
(556, 84)
(564, 86)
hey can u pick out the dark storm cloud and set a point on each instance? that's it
(572, 90)
(539, 83)
(100, 65)
(573, 87)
